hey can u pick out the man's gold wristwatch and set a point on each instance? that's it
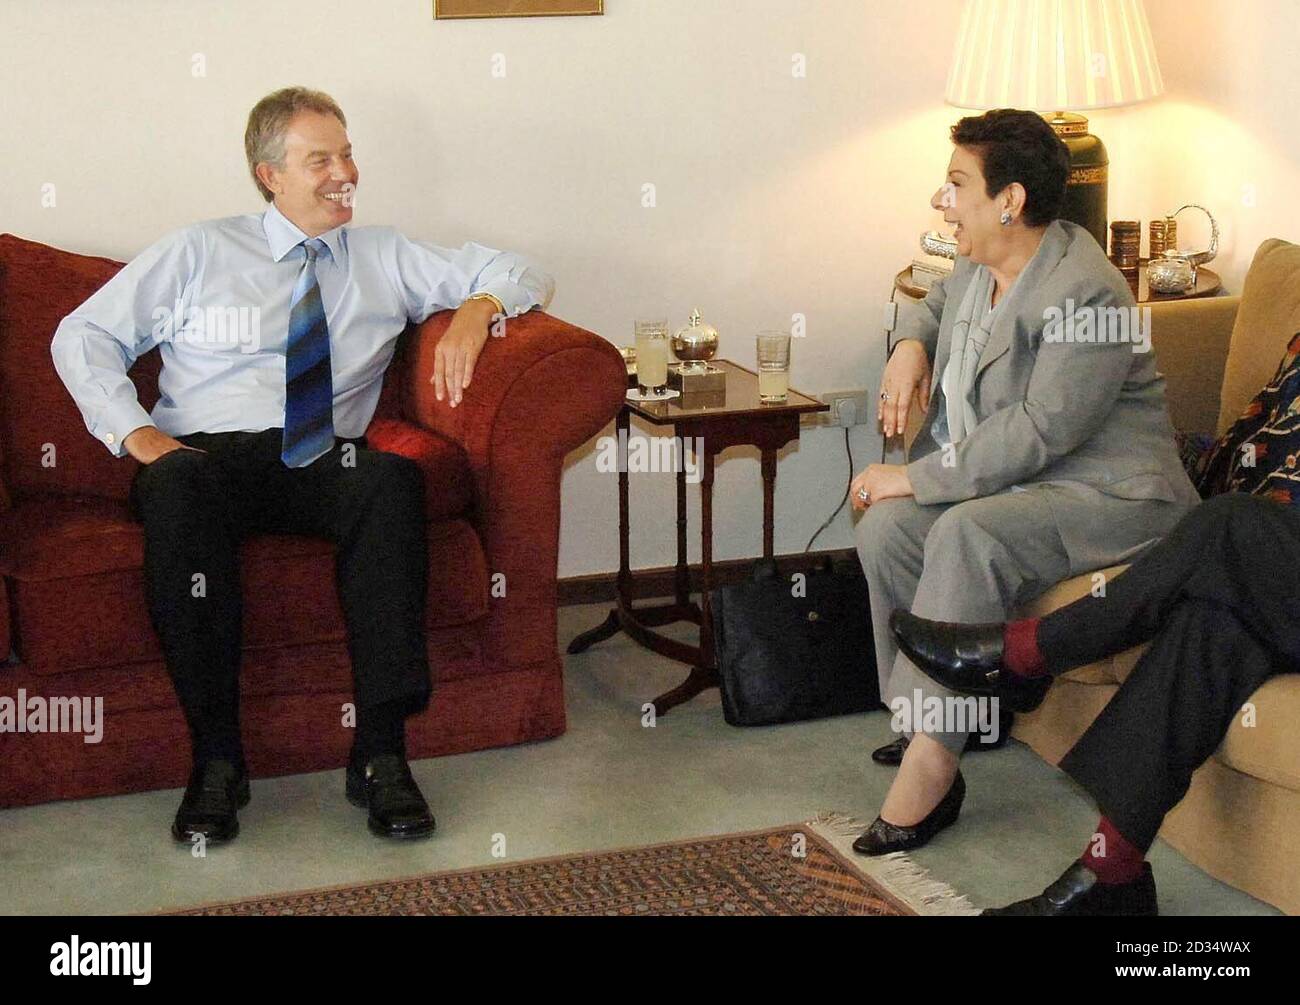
(482, 295)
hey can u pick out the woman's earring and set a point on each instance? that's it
(1006, 218)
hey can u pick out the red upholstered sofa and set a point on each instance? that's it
(71, 581)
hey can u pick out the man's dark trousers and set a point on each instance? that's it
(196, 507)
(1217, 601)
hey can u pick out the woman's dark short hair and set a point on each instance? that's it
(1015, 145)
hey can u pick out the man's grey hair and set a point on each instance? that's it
(269, 120)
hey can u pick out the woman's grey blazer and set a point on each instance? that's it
(1051, 408)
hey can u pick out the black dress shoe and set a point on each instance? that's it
(891, 754)
(216, 791)
(966, 659)
(384, 786)
(1079, 894)
(883, 837)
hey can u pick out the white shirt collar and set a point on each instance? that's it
(283, 235)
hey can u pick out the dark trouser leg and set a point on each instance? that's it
(382, 572)
(192, 585)
(371, 504)
(1235, 551)
(1138, 757)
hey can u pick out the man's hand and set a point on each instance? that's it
(453, 362)
(882, 481)
(148, 443)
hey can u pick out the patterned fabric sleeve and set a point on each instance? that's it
(1260, 454)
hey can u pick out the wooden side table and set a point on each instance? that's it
(738, 418)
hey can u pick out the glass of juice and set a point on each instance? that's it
(773, 366)
(652, 357)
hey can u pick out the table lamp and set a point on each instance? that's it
(1054, 55)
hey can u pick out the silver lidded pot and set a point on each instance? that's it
(695, 344)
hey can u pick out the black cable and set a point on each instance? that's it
(848, 446)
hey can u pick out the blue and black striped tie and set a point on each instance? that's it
(308, 383)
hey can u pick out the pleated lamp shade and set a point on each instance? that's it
(1052, 55)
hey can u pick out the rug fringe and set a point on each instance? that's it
(901, 875)
(839, 823)
(915, 883)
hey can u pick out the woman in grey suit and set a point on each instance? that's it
(1046, 450)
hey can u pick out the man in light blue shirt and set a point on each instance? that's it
(275, 330)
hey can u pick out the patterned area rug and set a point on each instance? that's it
(793, 870)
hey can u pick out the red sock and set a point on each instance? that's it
(1020, 648)
(1111, 856)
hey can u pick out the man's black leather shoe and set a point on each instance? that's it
(883, 837)
(216, 791)
(384, 786)
(966, 659)
(1079, 894)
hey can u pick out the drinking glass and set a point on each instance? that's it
(652, 357)
(773, 366)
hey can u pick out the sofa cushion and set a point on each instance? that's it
(448, 480)
(39, 286)
(74, 566)
(1268, 316)
(1267, 749)
(1267, 745)
(1260, 452)
(57, 536)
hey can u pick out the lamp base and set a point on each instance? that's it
(1086, 194)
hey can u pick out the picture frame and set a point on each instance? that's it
(457, 9)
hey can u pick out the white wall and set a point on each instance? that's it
(776, 195)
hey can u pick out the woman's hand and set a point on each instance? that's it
(906, 374)
(881, 481)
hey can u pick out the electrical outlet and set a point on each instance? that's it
(848, 408)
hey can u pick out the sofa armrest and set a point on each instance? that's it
(1191, 339)
(543, 389)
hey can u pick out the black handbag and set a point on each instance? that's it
(790, 650)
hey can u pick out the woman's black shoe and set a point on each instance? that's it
(891, 754)
(966, 659)
(217, 789)
(883, 837)
(1078, 894)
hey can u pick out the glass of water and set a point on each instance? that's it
(652, 357)
(773, 366)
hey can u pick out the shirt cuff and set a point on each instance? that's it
(515, 298)
(117, 422)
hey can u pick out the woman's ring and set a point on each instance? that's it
(884, 396)
(864, 495)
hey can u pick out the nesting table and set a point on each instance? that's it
(732, 418)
